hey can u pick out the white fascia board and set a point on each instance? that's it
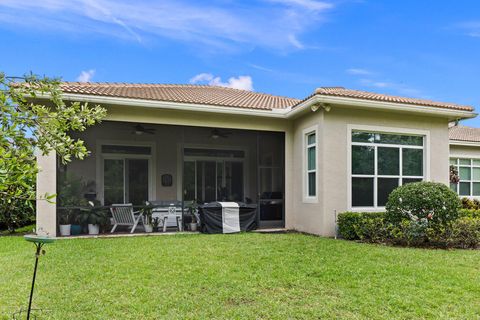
(274, 113)
(286, 113)
(464, 143)
(388, 106)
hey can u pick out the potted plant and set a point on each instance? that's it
(76, 226)
(93, 217)
(155, 223)
(147, 216)
(64, 223)
(192, 209)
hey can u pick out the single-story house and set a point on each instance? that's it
(301, 161)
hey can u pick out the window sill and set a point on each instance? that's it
(310, 200)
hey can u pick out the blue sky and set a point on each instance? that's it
(428, 49)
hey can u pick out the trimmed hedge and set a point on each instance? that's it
(361, 225)
(464, 232)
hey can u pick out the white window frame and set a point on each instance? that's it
(375, 176)
(471, 166)
(100, 161)
(305, 172)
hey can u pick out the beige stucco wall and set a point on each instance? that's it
(333, 175)
(306, 216)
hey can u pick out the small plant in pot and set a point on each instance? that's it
(192, 209)
(148, 221)
(64, 223)
(94, 217)
(155, 223)
(76, 227)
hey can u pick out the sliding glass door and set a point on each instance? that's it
(125, 180)
(207, 179)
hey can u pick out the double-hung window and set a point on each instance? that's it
(380, 162)
(311, 165)
(469, 174)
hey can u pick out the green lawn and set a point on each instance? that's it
(255, 276)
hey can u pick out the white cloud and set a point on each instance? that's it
(86, 75)
(359, 71)
(306, 4)
(211, 25)
(240, 82)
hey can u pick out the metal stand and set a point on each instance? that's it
(37, 255)
(39, 242)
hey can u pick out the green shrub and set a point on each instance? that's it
(365, 226)
(346, 222)
(466, 232)
(470, 204)
(408, 232)
(425, 203)
(469, 213)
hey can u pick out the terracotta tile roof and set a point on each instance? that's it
(348, 93)
(462, 133)
(197, 94)
(221, 96)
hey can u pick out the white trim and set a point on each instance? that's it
(305, 133)
(464, 143)
(274, 113)
(152, 164)
(383, 105)
(388, 130)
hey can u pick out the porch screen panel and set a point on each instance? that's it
(189, 180)
(137, 181)
(234, 180)
(210, 181)
(113, 181)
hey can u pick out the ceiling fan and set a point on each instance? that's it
(217, 133)
(139, 130)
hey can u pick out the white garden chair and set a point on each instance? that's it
(123, 215)
(169, 212)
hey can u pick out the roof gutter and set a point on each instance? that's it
(380, 105)
(272, 113)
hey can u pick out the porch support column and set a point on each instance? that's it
(47, 184)
(289, 183)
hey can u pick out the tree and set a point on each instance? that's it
(28, 125)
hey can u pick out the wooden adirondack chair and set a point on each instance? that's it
(123, 215)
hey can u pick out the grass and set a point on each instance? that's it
(256, 276)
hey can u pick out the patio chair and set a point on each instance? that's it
(169, 212)
(123, 215)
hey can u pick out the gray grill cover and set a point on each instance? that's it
(227, 217)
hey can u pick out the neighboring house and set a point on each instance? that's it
(302, 161)
(465, 156)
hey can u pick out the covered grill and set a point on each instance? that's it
(228, 217)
